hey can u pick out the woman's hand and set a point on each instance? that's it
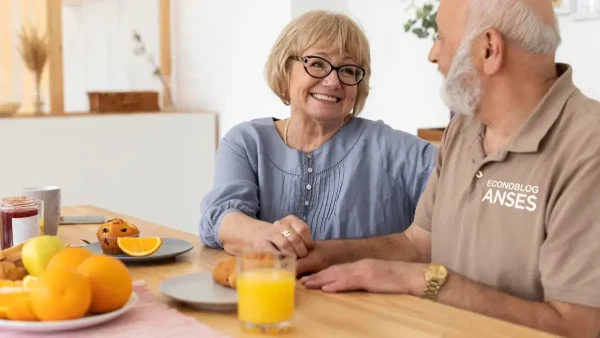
(289, 235)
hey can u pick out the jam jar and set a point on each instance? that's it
(20, 220)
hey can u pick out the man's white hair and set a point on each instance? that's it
(517, 21)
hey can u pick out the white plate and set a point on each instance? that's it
(67, 325)
(200, 291)
(171, 247)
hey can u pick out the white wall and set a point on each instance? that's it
(302, 6)
(155, 167)
(220, 57)
(98, 48)
(405, 86)
(220, 49)
(581, 49)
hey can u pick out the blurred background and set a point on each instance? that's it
(122, 102)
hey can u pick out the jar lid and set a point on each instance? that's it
(17, 202)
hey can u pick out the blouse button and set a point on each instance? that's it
(309, 155)
(304, 218)
(308, 186)
(306, 203)
(310, 170)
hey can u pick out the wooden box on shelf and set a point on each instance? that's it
(104, 102)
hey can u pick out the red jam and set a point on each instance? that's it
(11, 208)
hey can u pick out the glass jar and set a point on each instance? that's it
(20, 220)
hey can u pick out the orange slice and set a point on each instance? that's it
(9, 295)
(21, 310)
(10, 283)
(3, 311)
(29, 281)
(139, 247)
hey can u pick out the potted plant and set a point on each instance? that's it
(424, 25)
(34, 52)
(141, 50)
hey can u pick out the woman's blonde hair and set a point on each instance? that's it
(318, 28)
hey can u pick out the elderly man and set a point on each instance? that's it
(508, 225)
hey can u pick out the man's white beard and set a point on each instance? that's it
(462, 89)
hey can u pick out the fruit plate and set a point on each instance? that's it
(171, 247)
(67, 325)
(198, 290)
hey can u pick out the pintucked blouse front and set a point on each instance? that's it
(364, 181)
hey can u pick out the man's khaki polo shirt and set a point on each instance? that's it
(525, 220)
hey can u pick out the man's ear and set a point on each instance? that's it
(490, 51)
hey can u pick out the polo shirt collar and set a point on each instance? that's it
(541, 120)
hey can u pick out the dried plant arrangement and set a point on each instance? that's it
(140, 50)
(34, 52)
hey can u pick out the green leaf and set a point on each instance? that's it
(418, 31)
(424, 25)
(420, 13)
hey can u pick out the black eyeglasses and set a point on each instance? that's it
(319, 68)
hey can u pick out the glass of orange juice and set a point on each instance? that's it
(266, 284)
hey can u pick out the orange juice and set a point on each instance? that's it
(266, 296)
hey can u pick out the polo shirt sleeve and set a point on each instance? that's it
(570, 255)
(427, 200)
(424, 211)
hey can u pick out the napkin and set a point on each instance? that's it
(148, 318)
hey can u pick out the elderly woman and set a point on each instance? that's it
(322, 173)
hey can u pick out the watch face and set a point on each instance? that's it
(435, 271)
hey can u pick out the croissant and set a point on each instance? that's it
(11, 265)
(225, 272)
(11, 272)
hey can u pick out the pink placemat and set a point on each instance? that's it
(147, 318)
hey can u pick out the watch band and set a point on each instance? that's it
(432, 289)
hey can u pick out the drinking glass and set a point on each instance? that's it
(266, 285)
(51, 196)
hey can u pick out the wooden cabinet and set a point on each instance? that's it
(433, 135)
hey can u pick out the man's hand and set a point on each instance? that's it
(370, 275)
(398, 277)
(413, 245)
(289, 235)
(315, 261)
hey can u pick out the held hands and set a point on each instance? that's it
(370, 275)
(289, 235)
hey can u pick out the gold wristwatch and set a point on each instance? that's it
(435, 275)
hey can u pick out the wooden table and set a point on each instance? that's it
(317, 314)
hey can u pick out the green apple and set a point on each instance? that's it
(38, 251)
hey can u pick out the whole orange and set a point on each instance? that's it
(61, 294)
(110, 281)
(69, 258)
